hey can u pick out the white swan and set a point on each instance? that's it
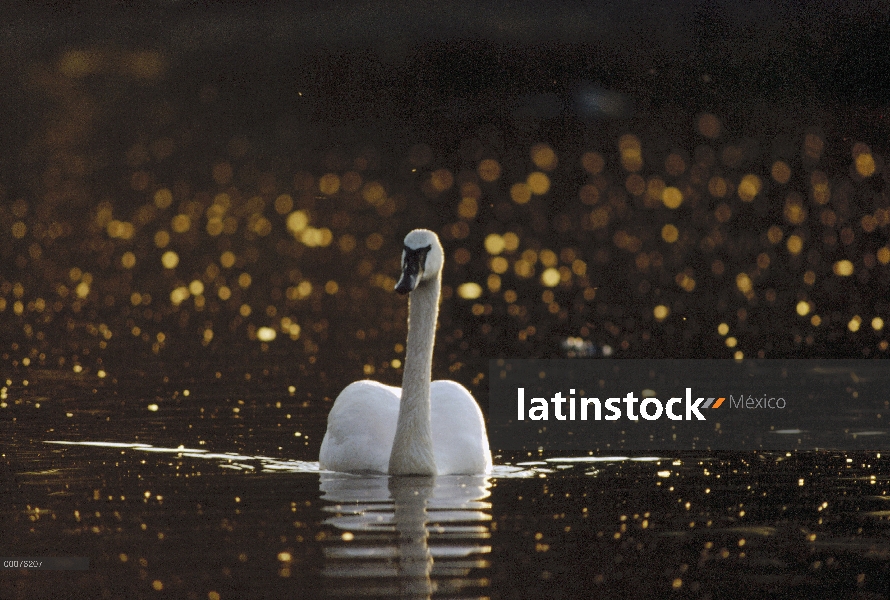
(424, 428)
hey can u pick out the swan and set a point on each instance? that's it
(422, 428)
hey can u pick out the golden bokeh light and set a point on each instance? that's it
(467, 208)
(843, 268)
(685, 280)
(548, 257)
(120, 229)
(631, 152)
(181, 223)
(821, 187)
(329, 184)
(373, 193)
(744, 283)
(589, 194)
(469, 290)
(635, 184)
(520, 193)
(670, 233)
(462, 256)
(763, 261)
(163, 198)
(489, 170)
(470, 189)
(494, 243)
(77, 64)
(749, 187)
(722, 213)
(550, 277)
(499, 265)
(215, 226)
(538, 183)
(794, 244)
(709, 125)
(346, 243)
(803, 308)
(593, 162)
(297, 221)
(543, 157)
(672, 197)
(350, 182)
(865, 165)
(524, 268)
(179, 295)
(794, 211)
(169, 259)
(661, 312)
(374, 241)
(781, 172)
(315, 238)
(579, 267)
(717, 187)
(266, 334)
(654, 191)
(813, 145)
(441, 180)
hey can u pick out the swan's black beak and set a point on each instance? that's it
(413, 261)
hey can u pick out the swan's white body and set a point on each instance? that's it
(362, 427)
(424, 427)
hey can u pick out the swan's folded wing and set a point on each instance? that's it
(361, 428)
(459, 437)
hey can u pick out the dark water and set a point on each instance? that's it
(200, 228)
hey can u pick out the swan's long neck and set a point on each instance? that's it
(412, 449)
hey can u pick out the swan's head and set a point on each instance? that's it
(422, 260)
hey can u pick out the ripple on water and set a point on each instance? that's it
(398, 533)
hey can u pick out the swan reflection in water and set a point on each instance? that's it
(406, 537)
